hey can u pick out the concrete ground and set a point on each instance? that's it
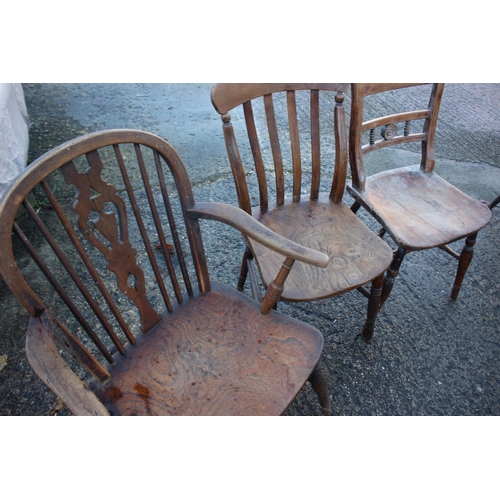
(429, 356)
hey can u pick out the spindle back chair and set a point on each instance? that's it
(300, 174)
(128, 293)
(418, 208)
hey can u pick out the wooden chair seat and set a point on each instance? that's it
(421, 210)
(217, 355)
(357, 255)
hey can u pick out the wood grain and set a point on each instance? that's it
(356, 254)
(421, 210)
(217, 355)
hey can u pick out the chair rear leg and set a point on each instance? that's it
(244, 269)
(373, 308)
(391, 274)
(320, 387)
(463, 264)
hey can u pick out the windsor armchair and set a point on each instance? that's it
(297, 154)
(128, 298)
(414, 205)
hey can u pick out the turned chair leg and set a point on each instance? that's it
(373, 308)
(244, 269)
(391, 274)
(463, 264)
(320, 387)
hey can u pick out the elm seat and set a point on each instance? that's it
(421, 210)
(127, 292)
(356, 254)
(216, 357)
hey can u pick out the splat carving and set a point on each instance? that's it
(118, 252)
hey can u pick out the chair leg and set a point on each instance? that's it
(373, 308)
(391, 274)
(463, 264)
(355, 207)
(320, 387)
(244, 270)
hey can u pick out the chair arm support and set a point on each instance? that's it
(45, 359)
(251, 228)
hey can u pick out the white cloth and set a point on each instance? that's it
(14, 138)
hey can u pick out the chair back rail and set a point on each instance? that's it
(285, 157)
(390, 133)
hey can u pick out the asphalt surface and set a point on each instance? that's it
(429, 355)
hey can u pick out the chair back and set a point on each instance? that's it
(283, 135)
(396, 127)
(118, 258)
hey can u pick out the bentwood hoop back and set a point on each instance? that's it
(127, 320)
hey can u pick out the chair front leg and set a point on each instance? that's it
(391, 274)
(320, 387)
(463, 264)
(244, 269)
(373, 308)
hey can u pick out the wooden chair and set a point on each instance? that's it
(418, 209)
(132, 301)
(299, 153)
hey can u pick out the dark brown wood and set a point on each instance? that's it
(295, 144)
(225, 368)
(357, 255)
(322, 221)
(416, 207)
(320, 386)
(214, 353)
(45, 359)
(463, 264)
(120, 255)
(88, 263)
(172, 224)
(276, 287)
(74, 275)
(275, 148)
(315, 146)
(257, 158)
(226, 96)
(374, 303)
(340, 173)
(64, 296)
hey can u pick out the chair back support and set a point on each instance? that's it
(394, 128)
(131, 192)
(290, 142)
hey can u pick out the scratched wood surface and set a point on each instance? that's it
(216, 356)
(357, 255)
(422, 210)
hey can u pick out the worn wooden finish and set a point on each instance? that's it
(45, 359)
(210, 351)
(207, 361)
(226, 96)
(316, 219)
(357, 256)
(414, 205)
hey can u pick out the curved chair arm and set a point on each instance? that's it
(45, 359)
(251, 228)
